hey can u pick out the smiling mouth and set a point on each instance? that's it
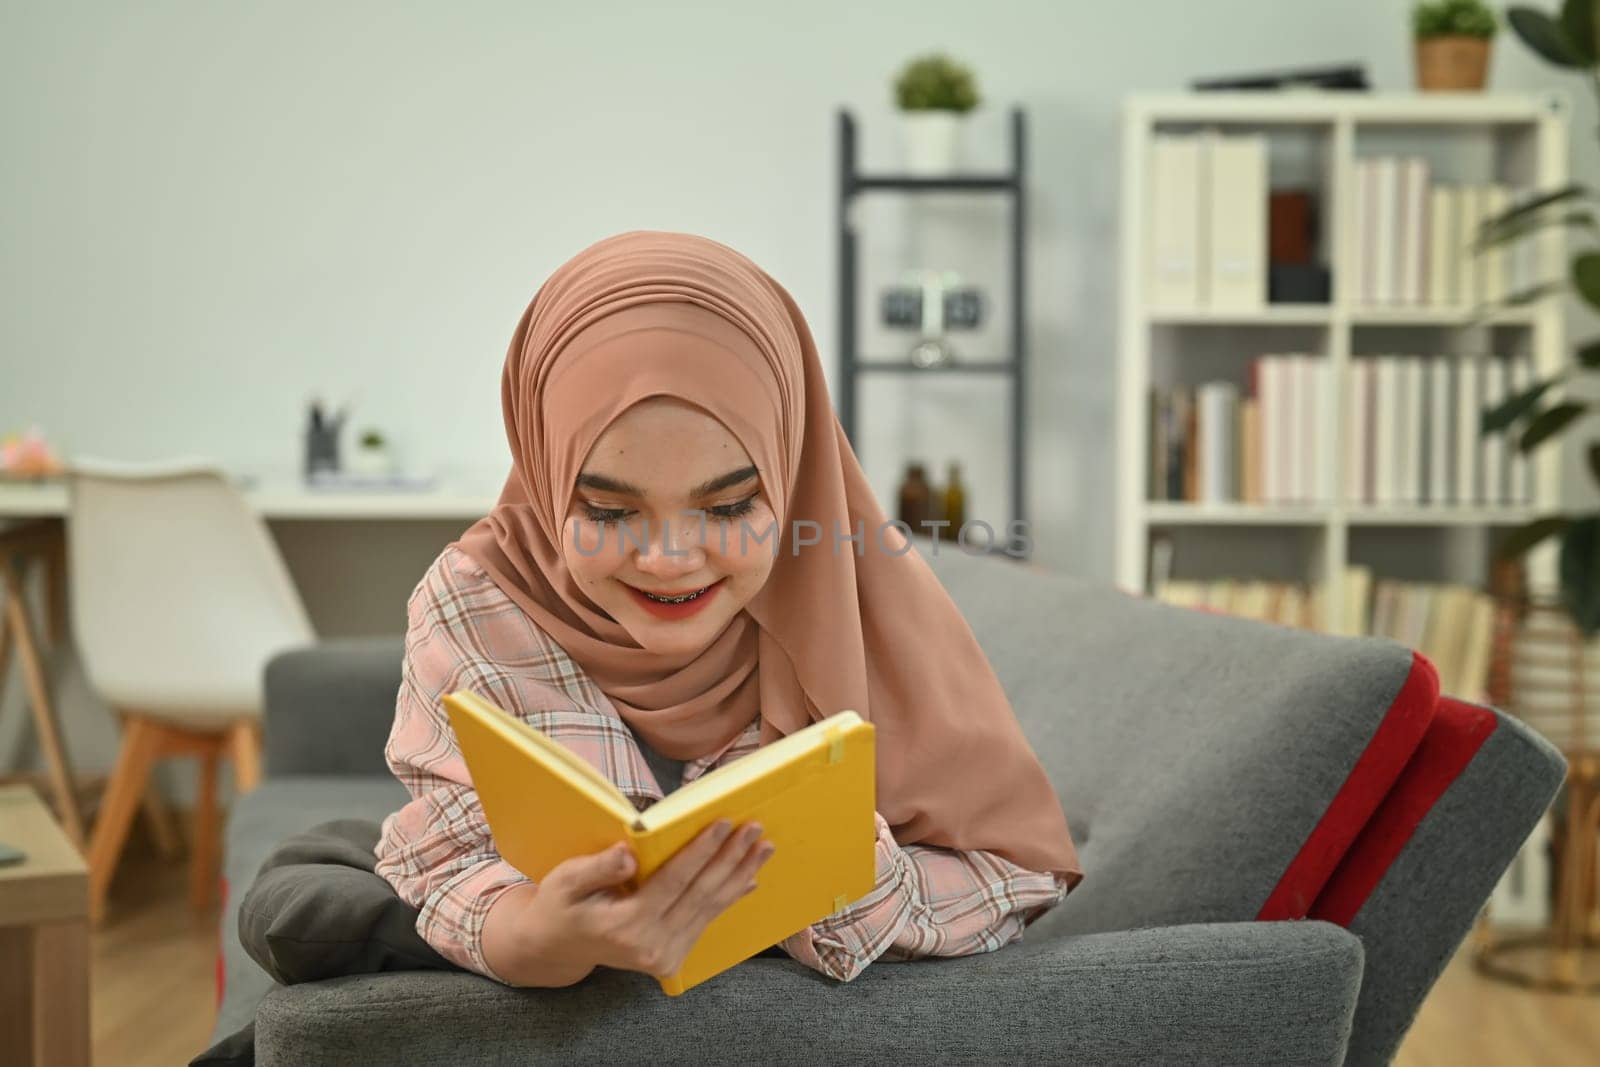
(683, 597)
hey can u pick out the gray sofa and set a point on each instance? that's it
(1286, 835)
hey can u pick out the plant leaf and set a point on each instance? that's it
(1550, 422)
(1545, 36)
(1577, 23)
(1572, 191)
(1521, 298)
(1524, 537)
(1589, 354)
(1580, 573)
(1493, 238)
(1509, 411)
(1586, 276)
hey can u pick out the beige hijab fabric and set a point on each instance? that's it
(862, 625)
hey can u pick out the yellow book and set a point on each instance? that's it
(814, 793)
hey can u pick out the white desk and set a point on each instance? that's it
(284, 500)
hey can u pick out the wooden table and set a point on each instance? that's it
(44, 939)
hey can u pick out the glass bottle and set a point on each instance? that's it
(916, 499)
(955, 504)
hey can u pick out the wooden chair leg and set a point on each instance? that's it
(141, 743)
(245, 740)
(44, 716)
(203, 852)
(159, 821)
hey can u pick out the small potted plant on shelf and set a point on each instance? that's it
(1452, 43)
(372, 457)
(934, 93)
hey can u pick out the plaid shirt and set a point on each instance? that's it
(464, 633)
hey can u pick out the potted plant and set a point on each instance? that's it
(371, 456)
(1541, 413)
(1452, 43)
(934, 93)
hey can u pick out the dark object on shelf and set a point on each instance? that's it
(1291, 226)
(963, 307)
(916, 505)
(1343, 76)
(322, 441)
(1013, 540)
(1299, 283)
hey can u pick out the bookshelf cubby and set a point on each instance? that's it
(1315, 140)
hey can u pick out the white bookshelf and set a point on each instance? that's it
(1516, 138)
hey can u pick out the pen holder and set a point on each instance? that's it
(322, 450)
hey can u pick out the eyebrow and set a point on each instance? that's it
(615, 485)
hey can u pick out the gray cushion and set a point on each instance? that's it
(1250, 993)
(329, 706)
(318, 909)
(261, 820)
(1193, 753)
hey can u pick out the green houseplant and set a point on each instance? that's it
(1569, 41)
(371, 457)
(934, 94)
(1453, 38)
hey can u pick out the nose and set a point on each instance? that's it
(674, 547)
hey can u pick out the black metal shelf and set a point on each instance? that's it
(853, 183)
(955, 183)
(893, 366)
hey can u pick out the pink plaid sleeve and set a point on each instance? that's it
(464, 633)
(927, 901)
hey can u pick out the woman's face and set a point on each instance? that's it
(634, 527)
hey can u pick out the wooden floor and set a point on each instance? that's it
(155, 975)
(154, 970)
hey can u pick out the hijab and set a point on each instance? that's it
(840, 624)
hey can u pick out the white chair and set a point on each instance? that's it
(179, 597)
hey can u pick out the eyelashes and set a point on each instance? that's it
(607, 516)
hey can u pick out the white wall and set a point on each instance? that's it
(211, 210)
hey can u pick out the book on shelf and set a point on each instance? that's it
(1465, 430)
(1207, 200)
(1451, 624)
(813, 792)
(1173, 275)
(1411, 237)
(1216, 432)
(1284, 603)
(1416, 421)
(1236, 218)
(1439, 456)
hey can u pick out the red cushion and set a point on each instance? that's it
(1376, 771)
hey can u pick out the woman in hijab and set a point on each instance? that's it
(686, 563)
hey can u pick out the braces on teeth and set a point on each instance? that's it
(675, 599)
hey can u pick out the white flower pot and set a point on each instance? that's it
(932, 140)
(370, 462)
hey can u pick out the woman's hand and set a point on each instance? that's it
(581, 916)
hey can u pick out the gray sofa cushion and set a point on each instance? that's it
(259, 822)
(318, 909)
(1193, 752)
(1247, 993)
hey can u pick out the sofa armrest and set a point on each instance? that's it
(1237, 993)
(329, 706)
(1416, 879)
